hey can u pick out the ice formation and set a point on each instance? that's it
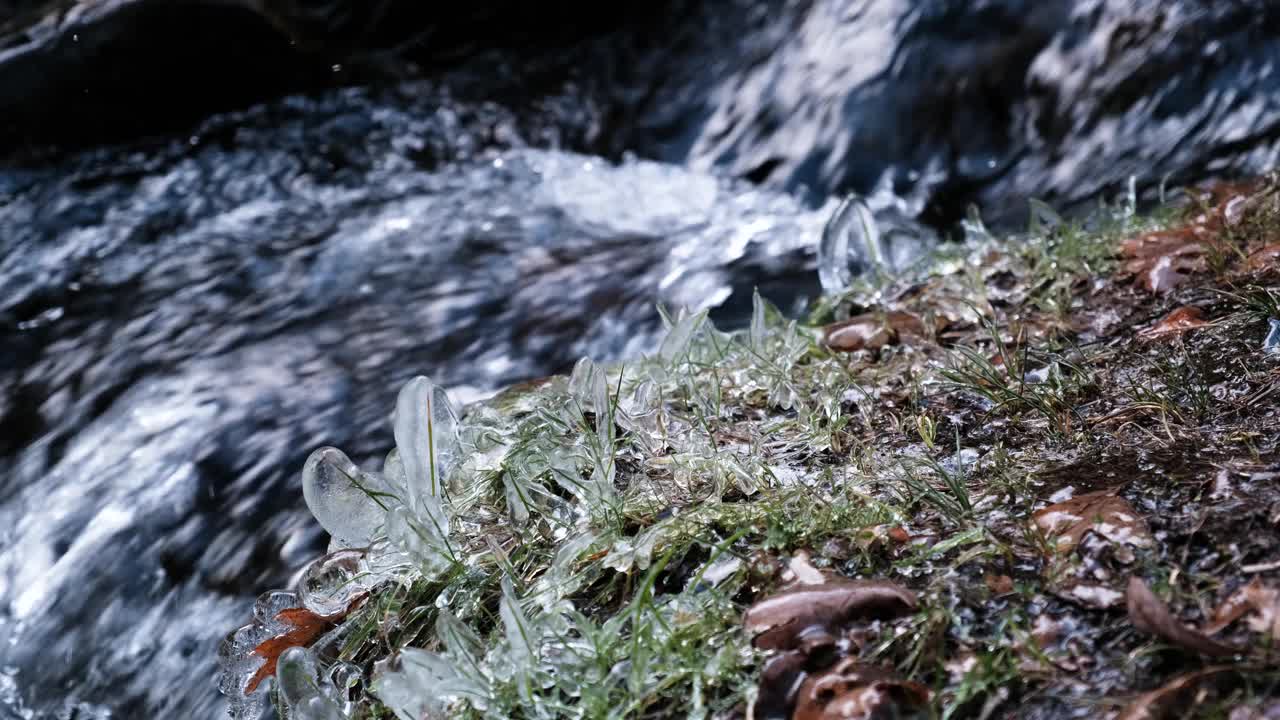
(334, 582)
(238, 661)
(846, 240)
(876, 233)
(304, 693)
(381, 524)
(348, 502)
(426, 430)
(1271, 343)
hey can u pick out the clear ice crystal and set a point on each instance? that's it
(347, 501)
(331, 583)
(850, 236)
(237, 663)
(1271, 343)
(975, 231)
(270, 604)
(426, 431)
(589, 388)
(393, 474)
(675, 346)
(426, 543)
(304, 694)
(1044, 218)
(419, 684)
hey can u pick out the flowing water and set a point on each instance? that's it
(183, 319)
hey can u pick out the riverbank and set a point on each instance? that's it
(1062, 447)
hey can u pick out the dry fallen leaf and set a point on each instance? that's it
(304, 626)
(1163, 259)
(852, 691)
(1176, 323)
(998, 584)
(1168, 700)
(778, 622)
(1102, 512)
(1264, 257)
(872, 331)
(779, 683)
(1149, 614)
(1262, 601)
(1233, 608)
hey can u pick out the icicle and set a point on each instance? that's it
(348, 502)
(426, 431)
(848, 238)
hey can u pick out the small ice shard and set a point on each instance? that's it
(975, 231)
(270, 604)
(344, 677)
(759, 332)
(848, 238)
(639, 414)
(237, 664)
(1043, 217)
(420, 684)
(347, 501)
(635, 552)
(426, 430)
(1272, 343)
(589, 388)
(303, 693)
(522, 650)
(426, 543)
(393, 474)
(676, 344)
(582, 383)
(332, 583)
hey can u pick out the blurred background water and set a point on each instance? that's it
(230, 230)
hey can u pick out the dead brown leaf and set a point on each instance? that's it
(1164, 259)
(1169, 698)
(1149, 614)
(1102, 512)
(1264, 257)
(779, 684)
(1236, 606)
(303, 627)
(1263, 602)
(777, 622)
(872, 331)
(851, 690)
(1176, 323)
(998, 584)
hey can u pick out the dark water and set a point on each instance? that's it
(182, 318)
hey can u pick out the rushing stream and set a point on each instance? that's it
(183, 318)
